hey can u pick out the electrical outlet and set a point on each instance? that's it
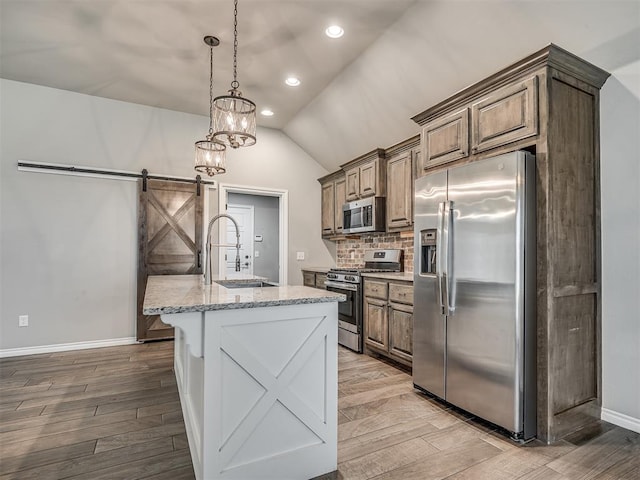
(256, 254)
(23, 321)
(300, 256)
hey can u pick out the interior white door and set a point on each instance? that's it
(243, 214)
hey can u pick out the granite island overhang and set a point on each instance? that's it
(256, 370)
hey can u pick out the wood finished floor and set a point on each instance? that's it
(114, 413)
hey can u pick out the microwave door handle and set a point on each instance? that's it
(439, 233)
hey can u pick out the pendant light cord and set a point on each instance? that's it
(235, 85)
(210, 90)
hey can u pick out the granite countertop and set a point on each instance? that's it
(188, 293)
(404, 276)
(316, 269)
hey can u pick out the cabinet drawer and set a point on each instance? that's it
(320, 278)
(446, 139)
(401, 293)
(375, 289)
(509, 114)
(309, 279)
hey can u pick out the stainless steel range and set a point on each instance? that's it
(349, 282)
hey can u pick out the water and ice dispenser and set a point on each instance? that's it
(428, 251)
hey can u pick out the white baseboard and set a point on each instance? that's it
(63, 347)
(620, 419)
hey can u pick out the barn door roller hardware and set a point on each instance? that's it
(42, 167)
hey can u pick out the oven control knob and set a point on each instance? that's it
(349, 277)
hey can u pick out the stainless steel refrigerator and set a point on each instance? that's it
(474, 289)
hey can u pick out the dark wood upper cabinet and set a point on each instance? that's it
(365, 176)
(401, 166)
(333, 197)
(446, 138)
(340, 199)
(509, 114)
(328, 208)
(352, 184)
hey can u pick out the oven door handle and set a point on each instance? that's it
(342, 286)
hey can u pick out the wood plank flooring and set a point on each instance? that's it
(105, 413)
(114, 413)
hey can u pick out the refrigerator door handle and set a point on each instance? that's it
(449, 279)
(439, 255)
(444, 262)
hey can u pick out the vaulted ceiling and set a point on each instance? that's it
(397, 57)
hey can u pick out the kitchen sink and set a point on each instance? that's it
(243, 284)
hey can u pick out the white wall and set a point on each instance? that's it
(68, 245)
(620, 183)
(441, 46)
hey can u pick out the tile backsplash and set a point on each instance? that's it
(350, 251)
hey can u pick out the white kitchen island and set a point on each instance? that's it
(257, 374)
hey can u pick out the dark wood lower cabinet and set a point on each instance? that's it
(388, 324)
(401, 331)
(376, 323)
(314, 279)
(308, 279)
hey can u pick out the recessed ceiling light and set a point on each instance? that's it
(334, 31)
(267, 112)
(292, 81)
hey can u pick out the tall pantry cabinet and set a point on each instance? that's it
(548, 104)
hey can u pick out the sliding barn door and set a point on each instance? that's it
(170, 241)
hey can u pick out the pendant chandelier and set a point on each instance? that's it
(235, 116)
(210, 154)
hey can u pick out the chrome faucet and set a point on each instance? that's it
(207, 270)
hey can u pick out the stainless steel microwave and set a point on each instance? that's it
(366, 215)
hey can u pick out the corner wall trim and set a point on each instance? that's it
(620, 419)
(62, 347)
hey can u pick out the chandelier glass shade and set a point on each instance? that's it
(234, 116)
(235, 120)
(210, 157)
(210, 154)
